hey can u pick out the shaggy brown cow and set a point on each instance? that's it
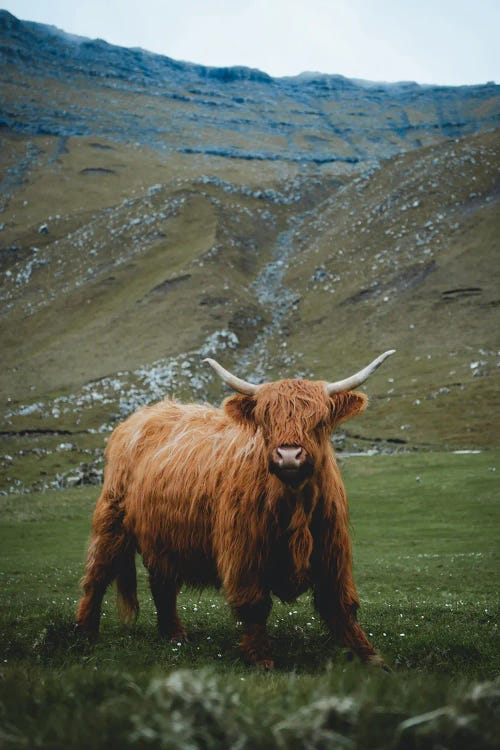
(248, 496)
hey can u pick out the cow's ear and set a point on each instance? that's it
(240, 408)
(347, 405)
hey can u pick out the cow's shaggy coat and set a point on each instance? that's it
(196, 491)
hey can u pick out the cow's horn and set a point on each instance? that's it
(237, 384)
(360, 377)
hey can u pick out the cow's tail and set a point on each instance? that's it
(126, 585)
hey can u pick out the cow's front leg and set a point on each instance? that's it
(255, 642)
(338, 609)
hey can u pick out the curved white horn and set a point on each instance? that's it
(359, 377)
(237, 384)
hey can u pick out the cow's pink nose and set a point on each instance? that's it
(290, 456)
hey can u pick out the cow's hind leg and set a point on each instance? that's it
(164, 591)
(126, 586)
(99, 573)
(109, 551)
(255, 642)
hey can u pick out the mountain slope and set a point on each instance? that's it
(57, 84)
(133, 244)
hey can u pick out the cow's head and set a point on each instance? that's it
(296, 417)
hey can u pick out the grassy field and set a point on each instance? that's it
(427, 569)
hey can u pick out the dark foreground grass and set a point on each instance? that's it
(426, 565)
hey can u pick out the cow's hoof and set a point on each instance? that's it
(377, 661)
(266, 665)
(88, 633)
(179, 637)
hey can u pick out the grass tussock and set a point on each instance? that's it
(203, 709)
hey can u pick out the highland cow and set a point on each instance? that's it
(247, 496)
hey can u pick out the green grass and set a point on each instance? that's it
(426, 566)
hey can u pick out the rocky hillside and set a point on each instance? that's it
(54, 83)
(156, 212)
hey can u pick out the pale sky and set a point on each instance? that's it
(429, 41)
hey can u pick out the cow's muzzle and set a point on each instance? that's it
(291, 464)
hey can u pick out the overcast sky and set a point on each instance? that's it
(429, 41)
